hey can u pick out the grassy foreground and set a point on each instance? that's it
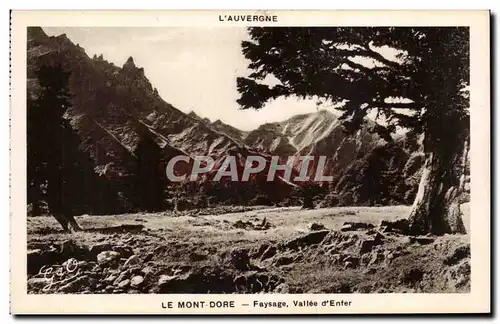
(273, 250)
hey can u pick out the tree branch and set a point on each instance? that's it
(366, 52)
(411, 105)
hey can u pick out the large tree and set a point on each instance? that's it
(414, 78)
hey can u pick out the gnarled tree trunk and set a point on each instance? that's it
(436, 208)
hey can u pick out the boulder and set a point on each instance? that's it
(39, 283)
(147, 270)
(458, 254)
(398, 226)
(124, 284)
(177, 283)
(108, 257)
(354, 226)
(268, 253)
(239, 258)
(131, 261)
(121, 277)
(282, 288)
(101, 247)
(350, 261)
(366, 245)
(315, 227)
(136, 281)
(307, 239)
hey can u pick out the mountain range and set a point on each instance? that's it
(112, 107)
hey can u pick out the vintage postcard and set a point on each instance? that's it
(250, 162)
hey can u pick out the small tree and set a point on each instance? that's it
(422, 87)
(47, 144)
(149, 186)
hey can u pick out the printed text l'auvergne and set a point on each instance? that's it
(248, 18)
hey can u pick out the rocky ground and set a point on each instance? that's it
(280, 250)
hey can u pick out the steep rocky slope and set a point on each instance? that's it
(111, 102)
(112, 108)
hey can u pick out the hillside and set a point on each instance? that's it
(113, 107)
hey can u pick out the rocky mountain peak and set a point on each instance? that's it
(129, 64)
(36, 33)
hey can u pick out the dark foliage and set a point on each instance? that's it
(148, 180)
(422, 86)
(59, 173)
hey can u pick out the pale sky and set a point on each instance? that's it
(194, 69)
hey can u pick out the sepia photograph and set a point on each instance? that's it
(247, 159)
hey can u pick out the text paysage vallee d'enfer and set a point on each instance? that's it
(256, 304)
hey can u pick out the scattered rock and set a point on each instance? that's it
(69, 247)
(121, 277)
(175, 283)
(136, 281)
(262, 248)
(241, 224)
(111, 278)
(366, 245)
(458, 276)
(239, 258)
(398, 226)
(306, 240)
(37, 259)
(124, 284)
(101, 247)
(147, 270)
(84, 265)
(351, 261)
(148, 257)
(354, 226)
(132, 261)
(458, 254)
(282, 288)
(124, 250)
(378, 238)
(316, 227)
(283, 260)
(388, 256)
(375, 258)
(365, 258)
(412, 276)
(349, 265)
(268, 253)
(240, 281)
(74, 285)
(164, 279)
(196, 256)
(107, 257)
(38, 283)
